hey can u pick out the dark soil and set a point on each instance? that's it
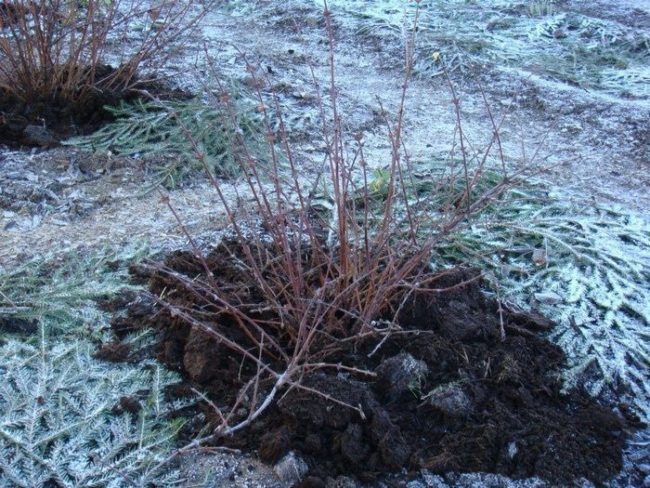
(14, 325)
(113, 352)
(449, 394)
(49, 119)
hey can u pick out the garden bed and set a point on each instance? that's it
(442, 392)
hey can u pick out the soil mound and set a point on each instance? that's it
(46, 121)
(448, 393)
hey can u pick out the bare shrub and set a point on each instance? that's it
(59, 51)
(311, 280)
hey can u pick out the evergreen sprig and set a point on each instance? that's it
(62, 421)
(174, 131)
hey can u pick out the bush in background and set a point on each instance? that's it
(67, 59)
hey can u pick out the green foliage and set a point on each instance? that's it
(176, 131)
(379, 183)
(61, 423)
(63, 291)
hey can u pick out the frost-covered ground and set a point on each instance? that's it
(571, 79)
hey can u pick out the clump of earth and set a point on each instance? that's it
(448, 394)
